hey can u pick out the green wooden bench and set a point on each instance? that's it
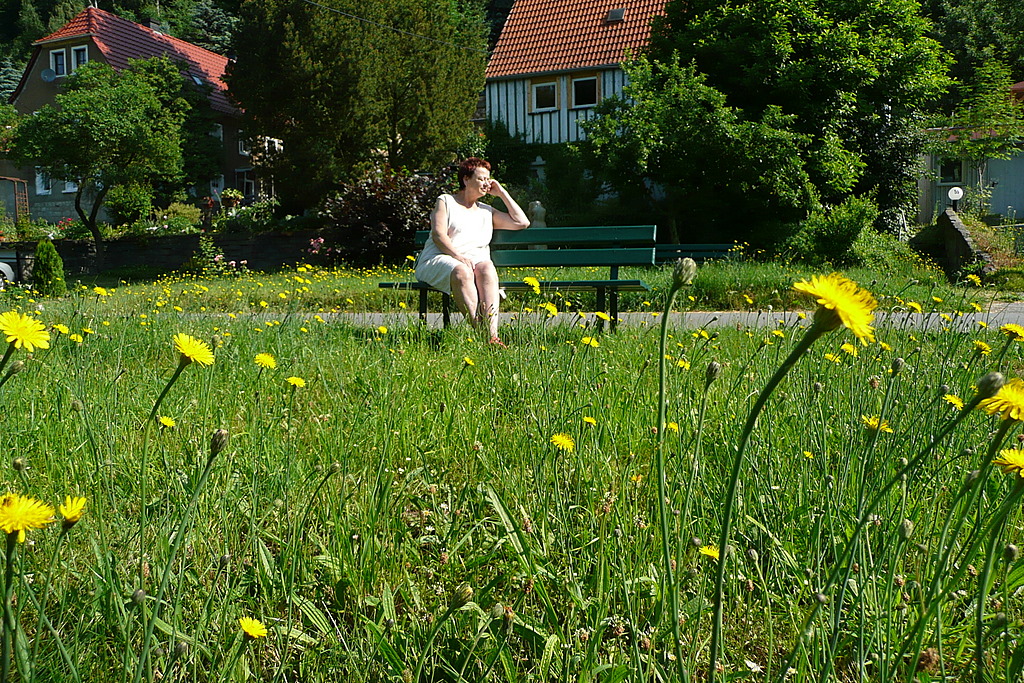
(611, 246)
(665, 253)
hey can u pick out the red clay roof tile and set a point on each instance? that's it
(120, 40)
(558, 35)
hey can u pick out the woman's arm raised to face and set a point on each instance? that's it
(516, 218)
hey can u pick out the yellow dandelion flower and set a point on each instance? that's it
(709, 551)
(974, 279)
(602, 315)
(1013, 331)
(166, 421)
(833, 357)
(981, 348)
(977, 307)
(590, 421)
(914, 306)
(954, 400)
(874, 423)
(841, 303)
(24, 332)
(1010, 461)
(72, 510)
(77, 338)
(809, 455)
(252, 628)
(683, 363)
(590, 341)
(563, 442)
(20, 513)
(673, 426)
(63, 329)
(850, 349)
(533, 284)
(382, 330)
(1008, 403)
(192, 350)
(100, 291)
(468, 361)
(266, 361)
(296, 382)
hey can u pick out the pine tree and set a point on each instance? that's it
(48, 271)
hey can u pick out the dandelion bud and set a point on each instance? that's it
(224, 561)
(1011, 552)
(684, 272)
(897, 365)
(181, 649)
(497, 611)
(138, 597)
(218, 442)
(712, 373)
(906, 529)
(335, 467)
(463, 594)
(821, 598)
(817, 387)
(696, 542)
(19, 464)
(990, 384)
(508, 619)
(943, 389)
(77, 406)
(216, 341)
(752, 554)
(999, 621)
(16, 367)
(972, 477)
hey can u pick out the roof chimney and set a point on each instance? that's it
(154, 24)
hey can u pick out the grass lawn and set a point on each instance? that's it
(408, 504)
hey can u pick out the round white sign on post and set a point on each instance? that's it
(955, 193)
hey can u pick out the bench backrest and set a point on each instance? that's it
(614, 245)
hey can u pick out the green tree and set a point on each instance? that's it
(844, 75)
(974, 31)
(398, 79)
(48, 271)
(987, 124)
(106, 129)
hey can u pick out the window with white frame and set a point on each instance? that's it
(216, 185)
(243, 144)
(70, 186)
(44, 185)
(218, 131)
(584, 91)
(79, 56)
(544, 96)
(245, 180)
(58, 62)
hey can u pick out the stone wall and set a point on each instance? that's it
(268, 251)
(958, 247)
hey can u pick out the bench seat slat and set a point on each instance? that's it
(519, 285)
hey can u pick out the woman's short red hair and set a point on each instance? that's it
(469, 166)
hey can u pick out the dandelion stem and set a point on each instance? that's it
(730, 498)
(7, 355)
(46, 596)
(5, 651)
(170, 383)
(670, 582)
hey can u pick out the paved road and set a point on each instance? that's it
(998, 314)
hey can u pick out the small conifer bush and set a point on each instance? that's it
(48, 270)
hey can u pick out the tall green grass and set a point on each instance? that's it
(347, 514)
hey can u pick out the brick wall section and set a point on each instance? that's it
(268, 251)
(960, 249)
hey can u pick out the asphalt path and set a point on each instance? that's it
(998, 313)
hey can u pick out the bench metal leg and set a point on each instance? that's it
(423, 306)
(614, 312)
(446, 310)
(601, 306)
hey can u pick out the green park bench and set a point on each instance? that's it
(665, 253)
(611, 246)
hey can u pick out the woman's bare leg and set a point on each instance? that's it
(464, 293)
(487, 288)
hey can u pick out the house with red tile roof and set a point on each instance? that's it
(556, 59)
(96, 35)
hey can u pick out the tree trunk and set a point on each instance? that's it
(91, 223)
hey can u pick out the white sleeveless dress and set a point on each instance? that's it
(470, 232)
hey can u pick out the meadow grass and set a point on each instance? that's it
(412, 504)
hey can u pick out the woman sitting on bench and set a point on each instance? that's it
(457, 257)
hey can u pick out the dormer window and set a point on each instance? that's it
(58, 62)
(79, 56)
(615, 15)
